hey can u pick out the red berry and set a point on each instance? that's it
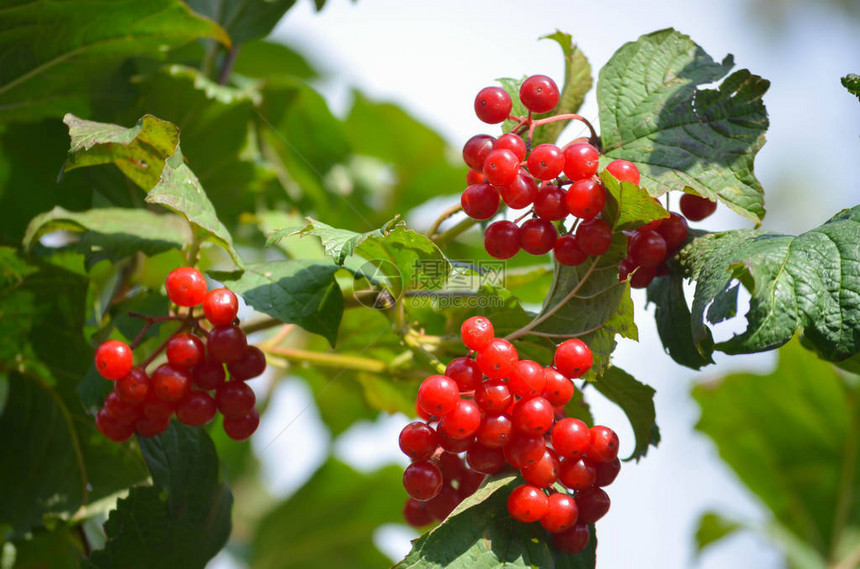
(415, 513)
(567, 251)
(250, 365)
(607, 472)
(477, 332)
(133, 387)
(647, 249)
(235, 399)
(474, 177)
(493, 396)
(465, 372)
(119, 410)
(220, 307)
(242, 427)
(470, 481)
(521, 192)
(484, 459)
(558, 388)
(533, 416)
(418, 440)
(544, 472)
(422, 480)
(151, 426)
(502, 239)
(642, 277)
(170, 383)
(208, 374)
(594, 237)
(624, 171)
(570, 438)
(113, 359)
(577, 474)
(586, 198)
(539, 94)
(527, 380)
(157, 409)
(450, 465)
(463, 421)
(227, 343)
(185, 351)
(549, 203)
(117, 431)
(186, 286)
(573, 358)
(495, 431)
(444, 503)
(493, 105)
(438, 395)
(497, 359)
(546, 161)
(501, 167)
(572, 540)
(476, 149)
(538, 236)
(196, 409)
(603, 444)
(580, 161)
(527, 503)
(451, 445)
(523, 450)
(512, 142)
(561, 514)
(673, 230)
(697, 208)
(593, 505)
(480, 201)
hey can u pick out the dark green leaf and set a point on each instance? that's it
(183, 520)
(302, 292)
(330, 522)
(48, 63)
(852, 83)
(653, 113)
(807, 283)
(58, 548)
(637, 401)
(244, 19)
(793, 438)
(712, 528)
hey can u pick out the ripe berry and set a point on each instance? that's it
(502, 239)
(493, 396)
(497, 359)
(480, 201)
(527, 503)
(521, 192)
(538, 236)
(156, 408)
(642, 277)
(220, 306)
(113, 359)
(493, 105)
(501, 167)
(573, 358)
(477, 332)
(593, 505)
(558, 388)
(418, 440)
(227, 343)
(580, 161)
(170, 383)
(572, 540)
(451, 445)
(151, 426)
(523, 450)
(465, 372)
(514, 143)
(444, 503)
(527, 380)
(533, 416)
(438, 395)
(485, 459)
(250, 365)
(567, 251)
(561, 514)
(235, 399)
(546, 161)
(594, 237)
(422, 480)
(697, 208)
(208, 374)
(470, 481)
(186, 286)
(495, 431)
(474, 177)
(570, 438)
(577, 474)
(114, 430)
(242, 427)
(415, 513)
(463, 421)
(544, 472)
(585, 198)
(647, 249)
(549, 203)
(607, 472)
(539, 94)
(603, 444)
(196, 409)
(624, 171)
(133, 387)
(476, 149)
(119, 410)
(674, 231)
(185, 351)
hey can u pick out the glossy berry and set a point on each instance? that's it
(415, 513)
(603, 444)
(562, 513)
(235, 398)
(422, 480)
(185, 351)
(465, 372)
(538, 236)
(114, 430)
(250, 365)
(624, 171)
(572, 540)
(647, 249)
(502, 239)
(156, 408)
(497, 359)
(113, 359)
(438, 395)
(642, 277)
(546, 161)
(196, 409)
(533, 416)
(477, 332)
(170, 383)
(585, 198)
(521, 192)
(501, 167)
(463, 420)
(567, 251)
(220, 306)
(476, 149)
(493, 396)
(527, 380)
(451, 445)
(133, 387)
(474, 177)
(607, 472)
(594, 237)
(696, 208)
(484, 459)
(674, 231)
(549, 203)
(523, 450)
(418, 440)
(527, 503)
(495, 431)
(227, 343)
(493, 105)
(186, 286)
(151, 426)
(573, 358)
(544, 472)
(558, 388)
(580, 161)
(570, 438)
(514, 143)
(577, 474)
(444, 503)
(241, 427)
(539, 94)
(119, 410)
(480, 201)
(469, 483)
(208, 374)
(593, 505)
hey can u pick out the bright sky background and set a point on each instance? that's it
(432, 57)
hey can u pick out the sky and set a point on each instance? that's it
(431, 58)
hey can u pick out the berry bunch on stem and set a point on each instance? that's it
(499, 412)
(192, 383)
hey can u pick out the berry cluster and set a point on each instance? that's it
(142, 403)
(554, 183)
(499, 410)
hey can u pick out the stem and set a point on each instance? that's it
(525, 215)
(569, 117)
(193, 248)
(338, 361)
(454, 231)
(227, 65)
(261, 324)
(846, 480)
(441, 219)
(160, 348)
(412, 341)
(148, 323)
(84, 541)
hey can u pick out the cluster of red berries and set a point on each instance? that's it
(142, 403)
(498, 410)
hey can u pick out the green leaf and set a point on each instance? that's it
(58, 548)
(577, 83)
(330, 522)
(806, 283)
(183, 519)
(337, 243)
(629, 206)
(269, 60)
(112, 233)
(302, 291)
(480, 533)
(518, 109)
(637, 401)
(682, 137)
(793, 438)
(246, 19)
(149, 155)
(48, 63)
(852, 83)
(712, 528)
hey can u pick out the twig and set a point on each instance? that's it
(442, 217)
